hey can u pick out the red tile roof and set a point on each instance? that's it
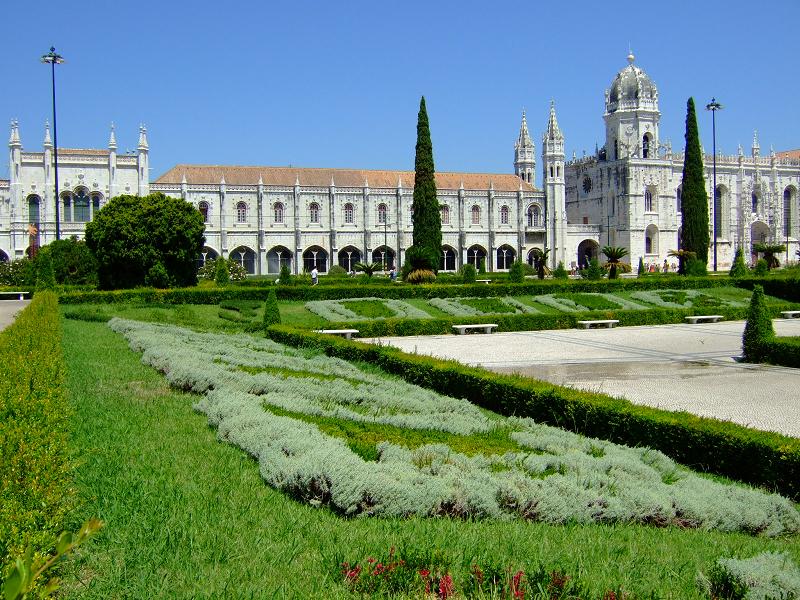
(788, 154)
(286, 176)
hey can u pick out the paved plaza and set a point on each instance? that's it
(674, 367)
(9, 310)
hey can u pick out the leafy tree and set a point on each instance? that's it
(130, 235)
(738, 268)
(758, 328)
(593, 272)
(337, 272)
(21, 271)
(468, 273)
(272, 315)
(540, 262)
(73, 262)
(641, 271)
(285, 278)
(615, 254)
(221, 275)
(369, 269)
(157, 276)
(694, 213)
(45, 279)
(426, 219)
(770, 252)
(516, 274)
(561, 271)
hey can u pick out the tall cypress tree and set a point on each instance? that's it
(695, 200)
(426, 218)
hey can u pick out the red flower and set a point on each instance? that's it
(516, 585)
(445, 587)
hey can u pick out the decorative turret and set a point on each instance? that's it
(525, 154)
(554, 189)
(13, 141)
(112, 140)
(756, 148)
(143, 146)
(15, 155)
(48, 142)
(632, 115)
(144, 162)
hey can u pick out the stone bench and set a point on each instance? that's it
(486, 281)
(486, 327)
(790, 314)
(599, 323)
(347, 333)
(14, 295)
(704, 318)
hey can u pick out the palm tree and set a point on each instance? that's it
(683, 257)
(615, 254)
(540, 262)
(769, 251)
(368, 268)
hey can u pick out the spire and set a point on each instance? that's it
(14, 139)
(183, 181)
(630, 56)
(553, 131)
(143, 137)
(222, 181)
(48, 143)
(112, 138)
(260, 180)
(756, 148)
(524, 139)
(332, 182)
(297, 180)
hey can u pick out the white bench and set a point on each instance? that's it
(486, 327)
(599, 323)
(704, 318)
(486, 281)
(347, 333)
(15, 295)
(790, 314)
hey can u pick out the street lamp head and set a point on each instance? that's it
(52, 57)
(714, 105)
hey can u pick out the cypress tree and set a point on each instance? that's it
(695, 200)
(426, 219)
(272, 315)
(758, 328)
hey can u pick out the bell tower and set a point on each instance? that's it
(525, 154)
(554, 189)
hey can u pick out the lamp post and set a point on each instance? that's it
(54, 59)
(714, 106)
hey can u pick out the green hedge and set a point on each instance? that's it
(783, 351)
(756, 457)
(36, 490)
(540, 322)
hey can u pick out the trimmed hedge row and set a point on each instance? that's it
(783, 351)
(398, 291)
(540, 322)
(760, 458)
(36, 490)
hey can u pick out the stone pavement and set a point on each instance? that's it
(9, 310)
(673, 367)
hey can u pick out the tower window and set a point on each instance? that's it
(646, 146)
(648, 201)
(504, 215)
(476, 215)
(381, 214)
(349, 214)
(313, 212)
(241, 212)
(444, 209)
(277, 210)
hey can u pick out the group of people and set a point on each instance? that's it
(656, 268)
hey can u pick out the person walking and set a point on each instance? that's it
(314, 276)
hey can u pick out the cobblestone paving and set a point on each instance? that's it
(674, 367)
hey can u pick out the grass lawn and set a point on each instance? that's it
(187, 516)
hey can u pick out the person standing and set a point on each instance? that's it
(314, 276)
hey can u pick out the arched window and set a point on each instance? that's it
(788, 197)
(313, 211)
(504, 215)
(241, 212)
(203, 208)
(720, 210)
(505, 257)
(476, 215)
(382, 214)
(96, 199)
(679, 198)
(448, 262)
(66, 198)
(648, 201)
(277, 212)
(81, 205)
(245, 257)
(651, 240)
(33, 209)
(646, 145)
(534, 216)
(444, 209)
(755, 201)
(349, 214)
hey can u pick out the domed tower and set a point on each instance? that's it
(632, 115)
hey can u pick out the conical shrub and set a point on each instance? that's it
(272, 315)
(758, 328)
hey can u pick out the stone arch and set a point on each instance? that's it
(759, 232)
(647, 145)
(277, 257)
(476, 255)
(206, 254)
(315, 256)
(651, 239)
(203, 208)
(4, 257)
(80, 204)
(348, 257)
(246, 257)
(448, 259)
(506, 255)
(534, 214)
(34, 206)
(383, 255)
(587, 250)
(531, 253)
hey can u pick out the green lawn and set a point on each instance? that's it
(189, 517)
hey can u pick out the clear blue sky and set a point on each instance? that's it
(337, 84)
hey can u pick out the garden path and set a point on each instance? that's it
(9, 310)
(674, 367)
